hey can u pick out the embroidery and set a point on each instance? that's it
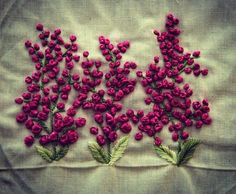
(48, 89)
(106, 108)
(170, 97)
(51, 120)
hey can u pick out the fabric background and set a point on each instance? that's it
(207, 25)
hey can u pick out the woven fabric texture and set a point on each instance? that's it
(208, 26)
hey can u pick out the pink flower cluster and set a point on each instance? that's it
(169, 96)
(105, 103)
(49, 87)
(50, 119)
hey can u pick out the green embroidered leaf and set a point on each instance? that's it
(61, 152)
(187, 151)
(166, 153)
(119, 149)
(98, 152)
(53, 106)
(45, 153)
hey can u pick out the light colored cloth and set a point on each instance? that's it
(207, 25)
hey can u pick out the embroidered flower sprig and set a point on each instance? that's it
(106, 105)
(48, 90)
(170, 98)
(51, 120)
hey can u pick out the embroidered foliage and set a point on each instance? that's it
(106, 157)
(45, 153)
(119, 149)
(98, 153)
(182, 155)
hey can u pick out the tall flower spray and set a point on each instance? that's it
(170, 97)
(106, 104)
(43, 110)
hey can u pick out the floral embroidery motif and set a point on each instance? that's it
(52, 122)
(170, 97)
(48, 89)
(106, 107)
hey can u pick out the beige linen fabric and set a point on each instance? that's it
(207, 25)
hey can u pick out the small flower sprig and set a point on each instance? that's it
(170, 98)
(106, 105)
(48, 88)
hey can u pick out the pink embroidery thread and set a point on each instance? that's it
(105, 102)
(49, 88)
(168, 96)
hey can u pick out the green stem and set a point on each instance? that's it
(51, 119)
(54, 149)
(43, 63)
(113, 56)
(109, 148)
(64, 54)
(179, 146)
(108, 143)
(185, 64)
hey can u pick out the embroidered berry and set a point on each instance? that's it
(125, 128)
(29, 124)
(80, 122)
(196, 53)
(112, 136)
(157, 141)
(43, 140)
(18, 101)
(39, 27)
(60, 106)
(53, 136)
(73, 38)
(204, 72)
(185, 135)
(199, 124)
(64, 140)
(21, 117)
(85, 53)
(73, 136)
(29, 140)
(94, 130)
(175, 136)
(138, 136)
(101, 140)
(98, 118)
(36, 129)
